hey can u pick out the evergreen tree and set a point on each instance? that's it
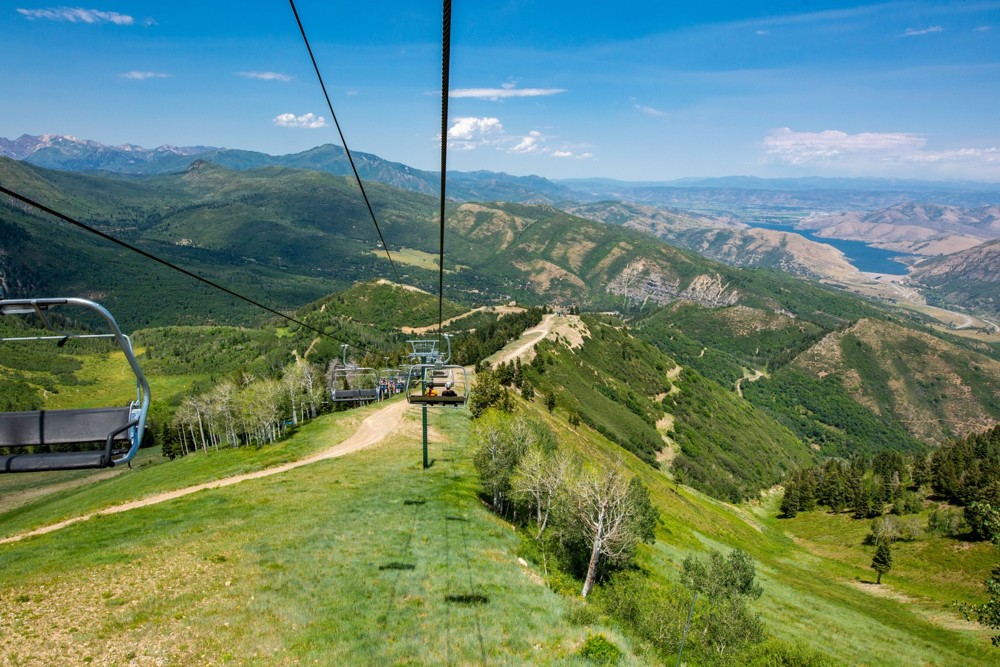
(882, 562)
(790, 501)
(921, 469)
(807, 491)
(505, 374)
(489, 393)
(832, 488)
(867, 500)
(527, 391)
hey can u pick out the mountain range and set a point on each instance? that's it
(714, 194)
(713, 217)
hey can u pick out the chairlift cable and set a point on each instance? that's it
(445, 76)
(343, 142)
(170, 265)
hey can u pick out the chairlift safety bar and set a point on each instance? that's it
(140, 407)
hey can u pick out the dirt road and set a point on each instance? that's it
(526, 342)
(373, 429)
(499, 310)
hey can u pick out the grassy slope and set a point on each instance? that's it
(291, 564)
(178, 474)
(292, 569)
(811, 579)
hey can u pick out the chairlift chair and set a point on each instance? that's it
(431, 374)
(118, 429)
(353, 383)
(394, 379)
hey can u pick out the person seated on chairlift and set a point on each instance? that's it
(448, 391)
(430, 391)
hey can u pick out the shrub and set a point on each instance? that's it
(599, 649)
(945, 521)
(777, 653)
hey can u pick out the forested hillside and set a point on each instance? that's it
(633, 394)
(296, 235)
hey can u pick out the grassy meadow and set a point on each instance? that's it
(366, 559)
(369, 559)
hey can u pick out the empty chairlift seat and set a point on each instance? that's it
(82, 438)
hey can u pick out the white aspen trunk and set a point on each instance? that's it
(595, 555)
(201, 429)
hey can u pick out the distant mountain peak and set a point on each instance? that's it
(64, 151)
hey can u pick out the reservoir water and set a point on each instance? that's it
(863, 256)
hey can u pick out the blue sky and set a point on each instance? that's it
(636, 91)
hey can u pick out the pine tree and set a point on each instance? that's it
(882, 562)
(790, 501)
(807, 491)
(527, 391)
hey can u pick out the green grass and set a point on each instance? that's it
(934, 567)
(308, 567)
(17, 490)
(812, 568)
(198, 468)
(107, 380)
(314, 565)
(417, 258)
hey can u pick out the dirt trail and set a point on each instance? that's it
(749, 377)
(526, 342)
(373, 429)
(499, 310)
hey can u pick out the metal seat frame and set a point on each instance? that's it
(351, 372)
(112, 427)
(431, 369)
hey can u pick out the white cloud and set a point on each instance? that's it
(808, 147)
(873, 151)
(981, 156)
(506, 91)
(530, 144)
(470, 132)
(142, 76)
(983, 28)
(265, 76)
(77, 15)
(309, 120)
(762, 33)
(650, 111)
(913, 32)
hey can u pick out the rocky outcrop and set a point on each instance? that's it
(642, 283)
